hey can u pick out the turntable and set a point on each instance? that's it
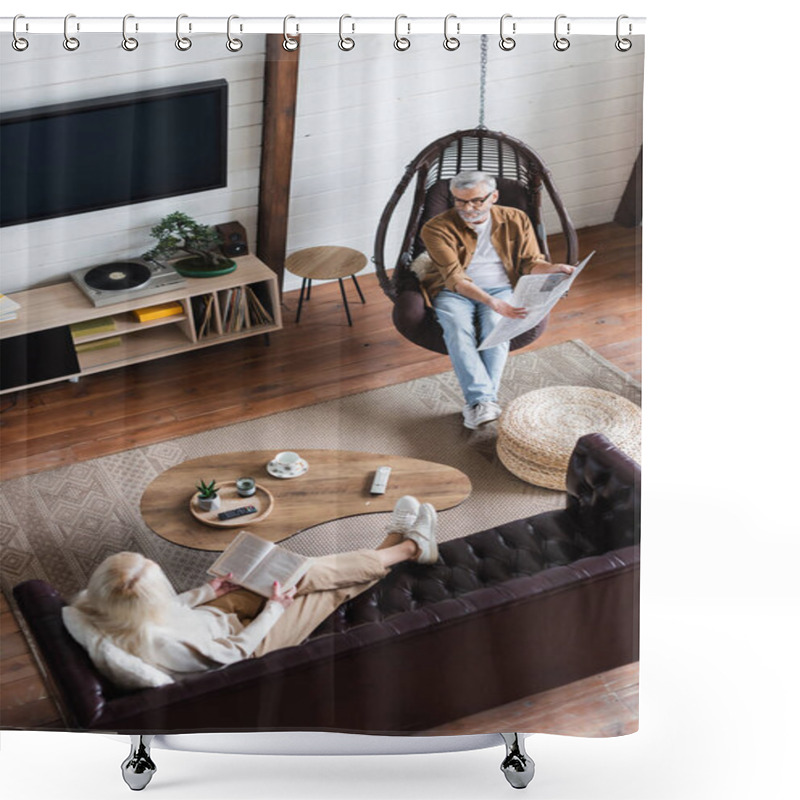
(119, 281)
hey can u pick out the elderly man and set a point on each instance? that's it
(479, 250)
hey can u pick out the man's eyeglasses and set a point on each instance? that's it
(475, 202)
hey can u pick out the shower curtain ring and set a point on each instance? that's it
(182, 42)
(401, 42)
(233, 44)
(507, 42)
(18, 43)
(290, 43)
(70, 42)
(345, 42)
(561, 43)
(623, 45)
(128, 42)
(451, 42)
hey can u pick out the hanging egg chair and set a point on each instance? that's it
(521, 176)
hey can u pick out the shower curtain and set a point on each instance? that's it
(302, 144)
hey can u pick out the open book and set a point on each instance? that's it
(538, 293)
(256, 564)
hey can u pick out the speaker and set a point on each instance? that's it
(234, 239)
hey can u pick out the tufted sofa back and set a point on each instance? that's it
(602, 514)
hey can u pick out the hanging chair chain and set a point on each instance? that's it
(484, 59)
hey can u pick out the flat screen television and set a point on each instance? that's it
(112, 151)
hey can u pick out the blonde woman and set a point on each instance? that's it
(130, 605)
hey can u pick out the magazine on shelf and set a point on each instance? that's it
(229, 308)
(8, 308)
(98, 344)
(202, 308)
(90, 327)
(538, 293)
(258, 313)
(256, 564)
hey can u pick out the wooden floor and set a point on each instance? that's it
(320, 358)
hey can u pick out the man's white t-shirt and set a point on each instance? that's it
(486, 268)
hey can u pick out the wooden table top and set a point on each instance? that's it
(326, 263)
(336, 485)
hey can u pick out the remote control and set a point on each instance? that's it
(381, 480)
(237, 512)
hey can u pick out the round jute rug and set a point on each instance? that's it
(538, 431)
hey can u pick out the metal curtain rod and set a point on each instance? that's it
(294, 25)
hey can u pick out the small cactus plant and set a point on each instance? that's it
(207, 491)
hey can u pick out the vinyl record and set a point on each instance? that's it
(118, 275)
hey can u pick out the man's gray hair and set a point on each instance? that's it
(466, 180)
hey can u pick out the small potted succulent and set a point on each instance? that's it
(207, 496)
(177, 233)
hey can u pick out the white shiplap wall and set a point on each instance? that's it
(361, 117)
(364, 114)
(45, 251)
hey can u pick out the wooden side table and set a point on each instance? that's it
(326, 263)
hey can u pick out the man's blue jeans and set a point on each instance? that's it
(465, 324)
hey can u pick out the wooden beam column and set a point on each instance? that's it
(280, 99)
(629, 211)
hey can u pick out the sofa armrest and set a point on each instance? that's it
(604, 488)
(76, 676)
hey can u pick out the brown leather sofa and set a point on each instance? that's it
(505, 613)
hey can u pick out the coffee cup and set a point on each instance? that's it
(287, 461)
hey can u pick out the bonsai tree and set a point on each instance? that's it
(179, 232)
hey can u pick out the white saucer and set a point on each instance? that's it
(276, 472)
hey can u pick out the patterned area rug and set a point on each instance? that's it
(59, 525)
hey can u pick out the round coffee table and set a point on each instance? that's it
(329, 262)
(336, 485)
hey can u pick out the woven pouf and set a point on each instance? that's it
(538, 431)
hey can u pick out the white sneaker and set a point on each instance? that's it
(405, 513)
(423, 534)
(495, 409)
(469, 417)
(480, 414)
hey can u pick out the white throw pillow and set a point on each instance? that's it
(123, 668)
(422, 265)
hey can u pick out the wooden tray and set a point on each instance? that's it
(262, 500)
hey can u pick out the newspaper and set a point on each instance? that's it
(538, 293)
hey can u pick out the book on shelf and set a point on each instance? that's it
(232, 310)
(205, 327)
(255, 564)
(98, 344)
(258, 313)
(225, 299)
(202, 309)
(159, 311)
(8, 308)
(91, 326)
(239, 321)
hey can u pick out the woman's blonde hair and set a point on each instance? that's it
(126, 596)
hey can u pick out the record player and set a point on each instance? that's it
(119, 281)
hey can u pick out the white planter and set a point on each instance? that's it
(209, 503)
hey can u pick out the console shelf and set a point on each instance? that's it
(39, 347)
(126, 324)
